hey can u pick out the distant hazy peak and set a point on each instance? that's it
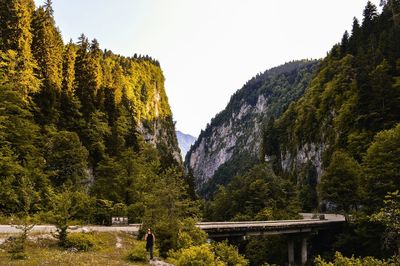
(184, 141)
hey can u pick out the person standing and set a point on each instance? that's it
(150, 238)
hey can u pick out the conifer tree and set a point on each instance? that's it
(69, 58)
(47, 49)
(15, 29)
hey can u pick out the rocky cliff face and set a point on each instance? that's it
(237, 130)
(220, 146)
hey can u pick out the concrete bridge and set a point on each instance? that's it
(300, 228)
(217, 230)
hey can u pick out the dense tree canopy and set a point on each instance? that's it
(79, 123)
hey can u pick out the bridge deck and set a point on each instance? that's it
(223, 229)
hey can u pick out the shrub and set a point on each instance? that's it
(80, 241)
(367, 261)
(195, 256)
(16, 248)
(190, 235)
(229, 254)
(17, 245)
(138, 253)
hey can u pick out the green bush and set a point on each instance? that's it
(190, 235)
(119, 210)
(367, 261)
(135, 212)
(138, 253)
(16, 248)
(195, 256)
(229, 254)
(80, 241)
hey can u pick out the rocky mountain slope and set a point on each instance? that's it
(184, 141)
(232, 141)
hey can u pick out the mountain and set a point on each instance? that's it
(184, 141)
(231, 143)
(331, 138)
(75, 117)
(352, 100)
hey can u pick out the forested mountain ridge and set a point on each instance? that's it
(231, 143)
(77, 119)
(354, 95)
(334, 149)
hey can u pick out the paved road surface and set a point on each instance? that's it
(8, 229)
(134, 228)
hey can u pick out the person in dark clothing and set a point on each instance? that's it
(150, 239)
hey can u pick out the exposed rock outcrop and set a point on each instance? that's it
(238, 129)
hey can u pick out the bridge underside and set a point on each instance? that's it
(300, 229)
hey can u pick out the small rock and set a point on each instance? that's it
(73, 250)
(118, 244)
(158, 262)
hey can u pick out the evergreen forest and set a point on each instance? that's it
(335, 149)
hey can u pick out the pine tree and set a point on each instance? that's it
(15, 31)
(354, 40)
(47, 47)
(344, 44)
(88, 75)
(69, 57)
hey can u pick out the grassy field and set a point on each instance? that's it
(42, 249)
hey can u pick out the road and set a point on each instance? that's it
(9, 229)
(307, 221)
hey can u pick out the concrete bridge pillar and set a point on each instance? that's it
(291, 252)
(304, 251)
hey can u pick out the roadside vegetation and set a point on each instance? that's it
(93, 248)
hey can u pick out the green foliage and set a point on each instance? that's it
(135, 211)
(72, 124)
(103, 212)
(367, 261)
(138, 253)
(166, 207)
(361, 237)
(190, 235)
(353, 96)
(16, 40)
(237, 165)
(206, 254)
(68, 205)
(119, 210)
(195, 256)
(264, 250)
(80, 241)
(382, 167)
(47, 48)
(67, 158)
(17, 246)
(389, 215)
(258, 195)
(228, 254)
(341, 181)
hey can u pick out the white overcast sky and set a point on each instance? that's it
(209, 48)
